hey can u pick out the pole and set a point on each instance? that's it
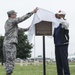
(44, 64)
(34, 50)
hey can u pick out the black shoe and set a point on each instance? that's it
(8, 74)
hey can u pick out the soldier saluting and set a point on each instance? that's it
(11, 38)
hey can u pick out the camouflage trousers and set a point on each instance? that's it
(9, 53)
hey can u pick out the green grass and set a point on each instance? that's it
(36, 69)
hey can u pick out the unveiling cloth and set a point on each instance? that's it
(42, 15)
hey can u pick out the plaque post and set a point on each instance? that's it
(44, 61)
(43, 28)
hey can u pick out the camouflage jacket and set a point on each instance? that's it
(11, 28)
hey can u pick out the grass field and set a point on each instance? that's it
(36, 69)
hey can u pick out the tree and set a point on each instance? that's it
(23, 47)
(1, 49)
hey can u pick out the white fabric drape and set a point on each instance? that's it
(42, 15)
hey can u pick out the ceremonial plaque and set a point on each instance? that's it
(43, 28)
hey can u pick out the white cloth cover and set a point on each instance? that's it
(42, 15)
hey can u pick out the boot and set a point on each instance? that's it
(8, 74)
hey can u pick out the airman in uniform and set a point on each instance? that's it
(11, 38)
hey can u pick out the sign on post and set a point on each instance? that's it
(43, 28)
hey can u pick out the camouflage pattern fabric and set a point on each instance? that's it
(11, 28)
(9, 51)
(10, 41)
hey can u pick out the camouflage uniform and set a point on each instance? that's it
(10, 41)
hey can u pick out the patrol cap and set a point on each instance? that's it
(11, 12)
(61, 12)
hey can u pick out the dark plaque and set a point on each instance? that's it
(43, 28)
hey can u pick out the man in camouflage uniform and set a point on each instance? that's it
(11, 38)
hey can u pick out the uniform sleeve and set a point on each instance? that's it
(21, 19)
(23, 29)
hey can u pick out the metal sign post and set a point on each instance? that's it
(43, 28)
(44, 61)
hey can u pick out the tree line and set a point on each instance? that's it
(23, 47)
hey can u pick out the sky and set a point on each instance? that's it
(24, 6)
